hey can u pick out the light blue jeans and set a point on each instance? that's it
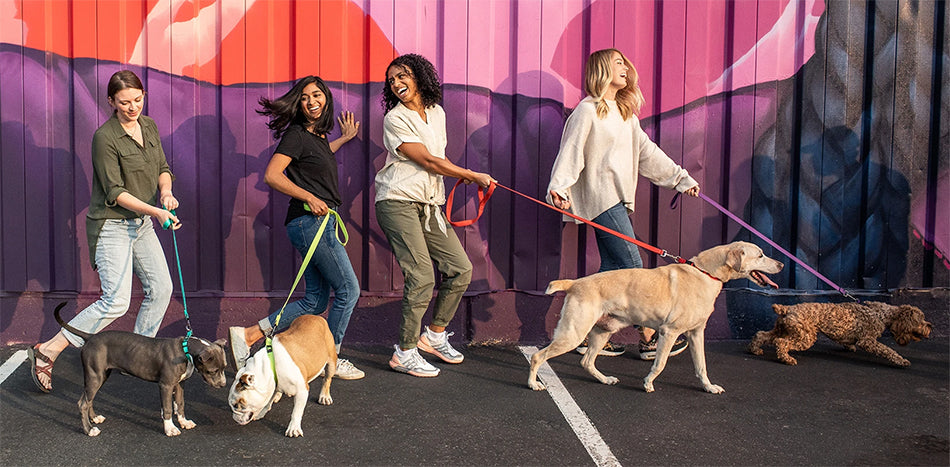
(329, 268)
(127, 247)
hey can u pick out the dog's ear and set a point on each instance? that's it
(222, 342)
(247, 380)
(734, 258)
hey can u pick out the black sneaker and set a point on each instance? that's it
(610, 349)
(648, 349)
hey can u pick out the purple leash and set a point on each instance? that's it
(774, 245)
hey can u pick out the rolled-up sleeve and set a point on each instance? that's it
(396, 131)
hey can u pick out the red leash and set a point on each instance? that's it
(485, 194)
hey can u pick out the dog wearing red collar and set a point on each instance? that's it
(674, 299)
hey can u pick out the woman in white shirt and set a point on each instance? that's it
(409, 196)
(603, 150)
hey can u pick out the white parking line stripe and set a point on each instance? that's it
(11, 364)
(580, 423)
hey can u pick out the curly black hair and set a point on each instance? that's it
(427, 81)
(285, 110)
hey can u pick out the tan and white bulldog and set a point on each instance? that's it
(300, 354)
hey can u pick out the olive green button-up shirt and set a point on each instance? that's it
(120, 164)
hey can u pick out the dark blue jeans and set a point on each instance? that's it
(329, 268)
(615, 252)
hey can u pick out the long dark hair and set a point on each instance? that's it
(285, 110)
(427, 81)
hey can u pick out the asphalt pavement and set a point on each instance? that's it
(834, 408)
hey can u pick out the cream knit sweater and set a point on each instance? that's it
(599, 160)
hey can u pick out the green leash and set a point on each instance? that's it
(184, 343)
(268, 342)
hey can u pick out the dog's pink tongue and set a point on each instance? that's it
(766, 279)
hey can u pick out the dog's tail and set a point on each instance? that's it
(780, 310)
(563, 284)
(83, 335)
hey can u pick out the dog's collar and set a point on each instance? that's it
(686, 261)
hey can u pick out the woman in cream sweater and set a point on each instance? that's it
(603, 150)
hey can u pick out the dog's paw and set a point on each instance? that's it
(324, 400)
(755, 351)
(714, 389)
(98, 419)
(170, 428)
(185, 423)
(294, 430)
(94, 431)
(648, 386)
(903, 363)
(277, 397)
(610, 380)
(536, 385)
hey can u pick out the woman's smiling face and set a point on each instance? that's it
(402, 84)
(128, 104)
(312, 102)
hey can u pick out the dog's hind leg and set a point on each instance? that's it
(881, 350)
(179, 408)
(596, 340)
(567, 336)
(330, 370)
(92, 381)
(557, 347)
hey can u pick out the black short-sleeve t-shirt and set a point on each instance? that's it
(312, 168)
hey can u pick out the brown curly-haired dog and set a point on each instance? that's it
(849, 324)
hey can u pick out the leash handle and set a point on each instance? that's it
(483, 196)
(801, 263)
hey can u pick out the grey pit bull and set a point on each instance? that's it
(160, 360)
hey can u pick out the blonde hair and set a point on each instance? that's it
(597, 78)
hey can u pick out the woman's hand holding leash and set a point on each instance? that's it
(560, 203)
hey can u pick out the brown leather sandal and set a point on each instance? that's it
(34, 354)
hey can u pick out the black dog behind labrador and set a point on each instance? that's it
(160, 360)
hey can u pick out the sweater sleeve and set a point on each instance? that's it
(570, 157)
(656, 166)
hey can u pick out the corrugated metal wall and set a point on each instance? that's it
(821, 124)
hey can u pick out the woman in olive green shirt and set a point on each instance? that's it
(131, 182)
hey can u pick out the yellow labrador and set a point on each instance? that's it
(673, 299)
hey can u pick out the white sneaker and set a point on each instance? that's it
(412, 363)
(346, 370)
(239, 348)
(439, 346)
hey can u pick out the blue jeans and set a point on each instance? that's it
(127, 247)
(615, 252)
(329, 268)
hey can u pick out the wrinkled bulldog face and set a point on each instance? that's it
(249, 400)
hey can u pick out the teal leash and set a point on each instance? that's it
(181, 281)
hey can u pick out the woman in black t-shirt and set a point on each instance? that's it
(304, 167)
